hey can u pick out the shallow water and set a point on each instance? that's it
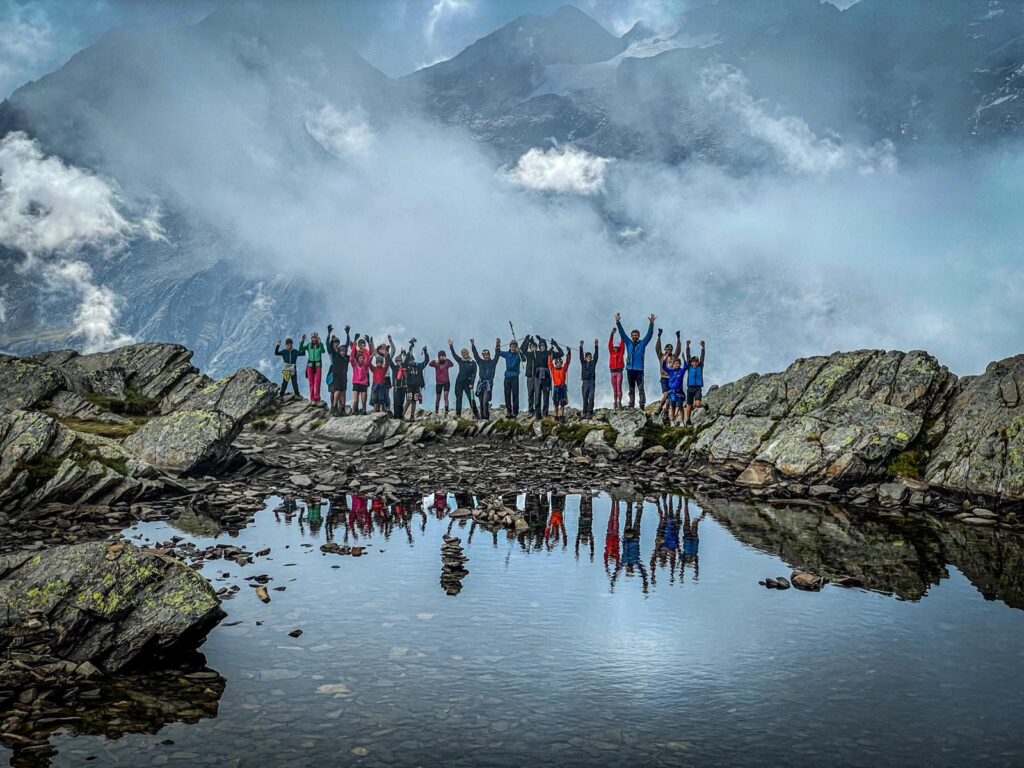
(564, 648)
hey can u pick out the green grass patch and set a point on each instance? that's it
(134, 403)
(259, 425)
(909, 464)
(665, 436)
(432, 426)
(41, 470)
(575, 433)
(102, 428)
(512, 427)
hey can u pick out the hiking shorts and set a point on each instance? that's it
(693, 394)
(560, 395)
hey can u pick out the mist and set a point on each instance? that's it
(396, 224)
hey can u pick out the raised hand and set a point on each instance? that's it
(450, 344)
(303, 337)
(347, 327)
(279, 342)
(472, 341)
(618, 317)
(702, 343)
(595, 342)
(653, 317)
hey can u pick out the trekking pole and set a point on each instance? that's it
(512, 328)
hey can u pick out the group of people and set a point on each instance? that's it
(391, 380)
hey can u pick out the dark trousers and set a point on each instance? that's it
(464, 387)
(636, 381)
(295, 385)
(541, 395)
(484, 390)
(512, 395)
(399, 402)
(588, 398)
(531, 392)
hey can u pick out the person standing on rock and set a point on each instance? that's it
(542, 378)
(674, 379)
(631, 560)
(513, 358)
(666, 357)
(414, 382)
(588, 379)
(616, 364)
(314, 364)
(399, 371)
(485, 384)
(636, 348)
(290, 355)
(337, 374)
(691, 542)
(380, 366)
(694, 380)
(530, 356)
(559, 378)
(442, 380)
(464, 380)
(360, 357)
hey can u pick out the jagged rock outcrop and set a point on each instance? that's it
(241, 395)
(981, 449)
(185, 441)
(840, 418)
(25, 383)
(108, 604)
(43, 461)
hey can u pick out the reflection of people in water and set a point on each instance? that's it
(440, 505)
(314, 516)
(611, 538)
(359, 520)
(666, 540)
(287, 508)
(631, 560)
(555, 529)
(536, 508)
(585, 532)
(335, 514)
(691, 542)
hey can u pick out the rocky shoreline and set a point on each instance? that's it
(91, 444)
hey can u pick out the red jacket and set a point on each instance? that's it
(558, 374)
(380, 372)
(616, 354)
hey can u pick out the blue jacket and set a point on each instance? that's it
(694, 373)
(675, 378)
(635, 351)
(512, 360)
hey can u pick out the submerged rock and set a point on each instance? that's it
(110, 605)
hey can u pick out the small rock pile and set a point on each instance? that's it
(453, 568)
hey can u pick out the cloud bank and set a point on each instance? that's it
(565, 170)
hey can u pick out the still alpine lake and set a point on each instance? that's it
(597, 637)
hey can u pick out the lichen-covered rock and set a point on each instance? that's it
(73, 405)
(184, 441)
(627, 424)
(152, 370)
(595, 444)
(108, 604)
(360, 430)
(982, 448)
(240, 395)
(735, 438)
(26, 383)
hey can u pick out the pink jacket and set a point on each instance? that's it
(360, 371)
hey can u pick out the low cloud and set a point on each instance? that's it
(565, 170)
(50, 212)
(340, 133)
(796, 146)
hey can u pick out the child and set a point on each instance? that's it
(442, 380)
(414, 382)
(360, 358)
(667, 356)
(616, 364)
(694, 380)
(673, 383)
(337, 374)
(485, 384)
(559, 374)
(379, 369)
(290, 357)
(314, 363)
(588, 378)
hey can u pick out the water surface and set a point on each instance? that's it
(596, 637)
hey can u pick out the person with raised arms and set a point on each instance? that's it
(616, 365)
(464, 380)
(513, 359)
(588, 379)
(636, 348)
(485, 384)
(290, 357)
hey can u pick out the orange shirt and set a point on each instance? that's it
(558, 375)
